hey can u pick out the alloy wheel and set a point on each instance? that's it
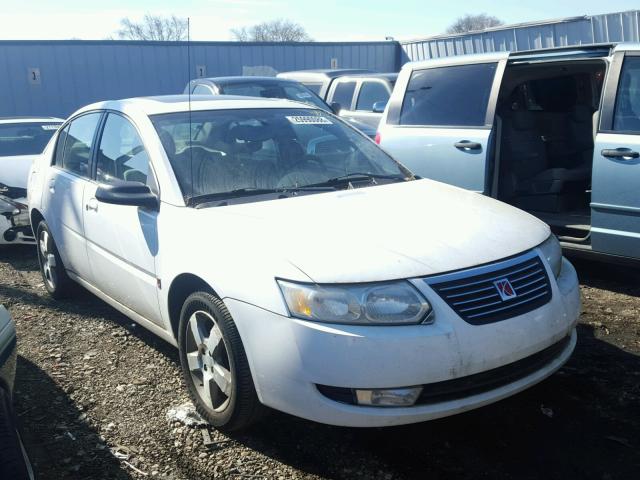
(208, 361)
(48, 260)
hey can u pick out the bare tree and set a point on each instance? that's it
(471, 23)
(153, 27)
(280, 30)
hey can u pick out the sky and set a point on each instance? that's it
(324, 20)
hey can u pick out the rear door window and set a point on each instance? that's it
(448, 96)
(59, 155)
(370, 93)
(78, 144)
(626, 117)
(343, 94)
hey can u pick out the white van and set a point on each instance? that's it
(554, 132)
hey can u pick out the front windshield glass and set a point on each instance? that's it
(266, 149)
(286, 90)
(25, 138)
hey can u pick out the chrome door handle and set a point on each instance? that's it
(467, 145)
(92, 204)
(620, 153)
(52, 185)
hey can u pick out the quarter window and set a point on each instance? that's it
(121, 156)
(370, 93)
(626, 117)
(343, 94)
(78, 143)
(62, 136)
(449, 96)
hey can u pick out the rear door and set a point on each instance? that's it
(439, 119)
(615, 198)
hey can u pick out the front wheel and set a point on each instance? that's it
(214, 364)
(55, 277)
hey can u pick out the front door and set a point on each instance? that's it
(440, 117)
(122, 240)
(615, 198)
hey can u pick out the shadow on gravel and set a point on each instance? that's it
(615, 278)
(61, 444)
(589, 431)
(21, 257)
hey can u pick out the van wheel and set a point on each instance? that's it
(55, 277)
(214, 364)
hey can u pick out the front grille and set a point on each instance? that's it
(473, 295)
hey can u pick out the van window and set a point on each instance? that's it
(77, 149)
(343, 94)
(370, 93)
(626, 117)
(202, 90)
(448, 96)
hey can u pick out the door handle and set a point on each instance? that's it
(467, 145)
(92, 204)
(52, 185)
(620, 153)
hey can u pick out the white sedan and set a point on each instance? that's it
(296, 265)
(22, 139)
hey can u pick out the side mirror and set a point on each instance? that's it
(379, 107)
(135, 194)
(336, 107)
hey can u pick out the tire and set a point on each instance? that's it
(55, 277)
(13, 463)
(212, 354)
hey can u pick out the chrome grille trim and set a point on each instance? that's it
(472, 294)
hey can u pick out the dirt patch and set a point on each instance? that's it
(94, 390)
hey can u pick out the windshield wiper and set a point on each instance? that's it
(251, 191)
(358, 177)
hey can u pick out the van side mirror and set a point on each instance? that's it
(135, 194)
(336, 107)
(379, 107)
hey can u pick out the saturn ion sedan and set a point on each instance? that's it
(296, 265)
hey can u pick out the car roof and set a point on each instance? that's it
(391, 76)
(239, 79)
(9, 120)
(323, 72)
(184, 103)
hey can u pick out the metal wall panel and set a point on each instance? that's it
(76, 73)
(612, 27)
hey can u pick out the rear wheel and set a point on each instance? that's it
(55, 277)
(214, 364)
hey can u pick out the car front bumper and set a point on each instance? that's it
(289, 358)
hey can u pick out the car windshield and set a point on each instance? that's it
(286, 90)
(25, 138)
(266, 150)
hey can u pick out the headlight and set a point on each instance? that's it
(552, 252)
(390, 303)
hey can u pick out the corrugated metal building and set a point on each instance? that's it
(57, 77)
(611, 27)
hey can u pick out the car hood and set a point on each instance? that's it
(14, 170)
(385, 232)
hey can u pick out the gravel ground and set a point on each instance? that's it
(93, 391)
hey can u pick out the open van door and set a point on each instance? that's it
(440, 117)
(615, 197)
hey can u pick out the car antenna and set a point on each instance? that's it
(189, 100)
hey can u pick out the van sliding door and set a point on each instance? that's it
(440, 119)
(615, 197)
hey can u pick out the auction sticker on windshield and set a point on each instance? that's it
(308, 120)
